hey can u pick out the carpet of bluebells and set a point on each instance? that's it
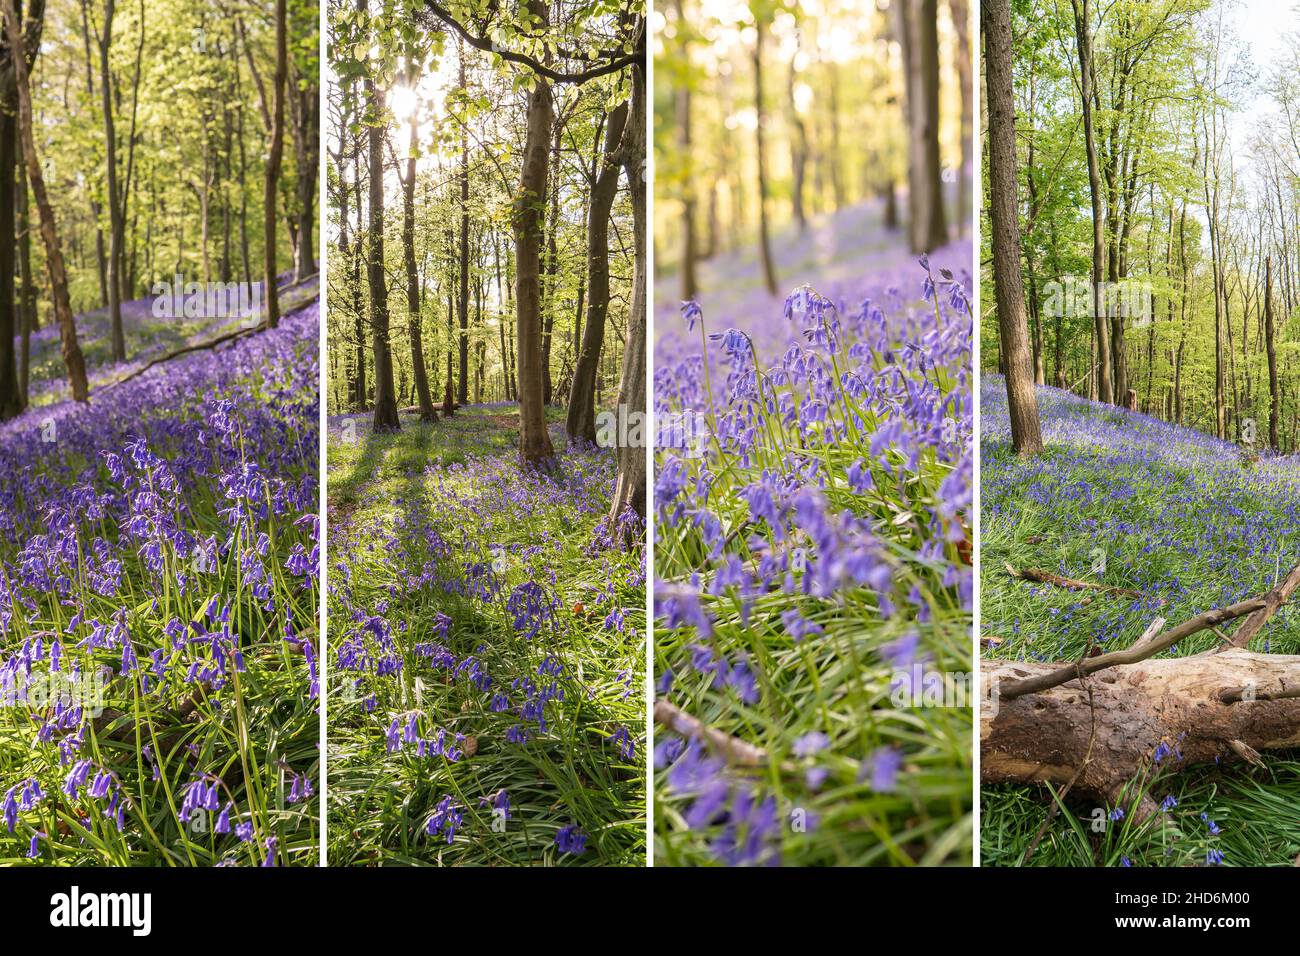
(1127, 500)
(158, 624)
(487, 650)
(147, 337)
(812, 564)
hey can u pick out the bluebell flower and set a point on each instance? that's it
(571, 840)
(881, 769)
(810, 743)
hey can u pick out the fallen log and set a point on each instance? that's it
(1072, 584)
(1188, 710)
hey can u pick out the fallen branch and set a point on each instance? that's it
(1273, 600)
(1257, 612)
(1072, 584)
(736, 751)
(1251, 693)
(183, 350)
(205, 344)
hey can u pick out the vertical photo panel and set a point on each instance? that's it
(813, 393)
(486, 434)
(1140, 539)
(159, 434)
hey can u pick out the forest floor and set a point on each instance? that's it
(836, 253)
(1122, 499)
(147, 338)
(158, 612)
(487, 644)
(812, 555)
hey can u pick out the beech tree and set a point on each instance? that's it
(1026, 434)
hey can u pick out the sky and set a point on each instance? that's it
(1261, 26)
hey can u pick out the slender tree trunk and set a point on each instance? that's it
(58, 275)
(798, 154)
(423, 396)
(308, 161)
(358, 310)
(1270, 345)
(917, 25)
(551, 269)
(101, 256)
(629, 487)
(1035, 313)
(1026, 433)
(27, 296)
(764, 245)
(385, 397)
(682, 107)
(345, 258)
(837, 161)
(463, 392)
(11, 401)
(581, 420)
(279, 81)
(526, 220)
(961, 21)
(115, 227)
(1083, 38)
(1212, 212)
(243, 167)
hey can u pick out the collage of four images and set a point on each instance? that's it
(594, 433)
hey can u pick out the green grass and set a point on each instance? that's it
(407, 513)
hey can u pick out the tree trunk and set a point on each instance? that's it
(422, 394)
(836, 160)
(917, 26)
(1083, 38)
(27, 295)
(11, 403)
(526, 221)
(551, 268)
(243, 167)
(385, 397)
(1026, 432)
(101, 258)
(798, 154)
(307, 147)
(463, 392)
(279, 81)
(308, 161)
(55, 268)
(629, 488)
(507, 376)
(1270, 345)
(1035, 312)
(682, 107)
(961, 21)
(115, 223)
(764, 245)
(581, 421)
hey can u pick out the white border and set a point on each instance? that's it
(322, 651)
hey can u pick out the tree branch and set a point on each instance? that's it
(616, 63)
